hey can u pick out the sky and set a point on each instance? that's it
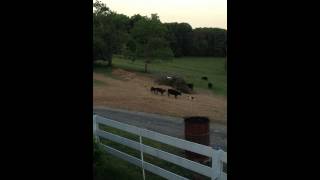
(198, 13)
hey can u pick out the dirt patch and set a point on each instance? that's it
(125, 75)
(132, 92)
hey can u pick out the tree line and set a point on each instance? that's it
(148, 38)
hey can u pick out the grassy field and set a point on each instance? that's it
(190, 68)
(98, 82)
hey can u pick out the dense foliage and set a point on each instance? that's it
(148, 38)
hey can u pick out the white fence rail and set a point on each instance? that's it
(218, 157)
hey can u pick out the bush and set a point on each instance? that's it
(98, 160)
(174, 81)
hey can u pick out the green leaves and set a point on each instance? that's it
(149, 37)
(100, 8)
(110, 32)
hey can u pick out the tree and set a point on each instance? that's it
(120, 34)
(130, 51)
(110, 32)
(180, 37)
(102, 32)
(135, 18)
(185, 38)
(149, 38)
(171, 37)
(209, 42)
(100, 9)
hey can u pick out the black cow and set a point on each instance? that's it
(190, 85)
(153, 89)
(173, 92)
(205, 78)
(210, 85)
(160, 90)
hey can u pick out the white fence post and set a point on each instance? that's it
(141, 153)
(95, 127)
(216, 165)
(221, 152)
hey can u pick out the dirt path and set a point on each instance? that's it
(132, 92)
(163, 124)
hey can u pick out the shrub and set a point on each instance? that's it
(98, 160)
(174, 81)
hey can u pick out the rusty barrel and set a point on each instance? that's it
(197, 130)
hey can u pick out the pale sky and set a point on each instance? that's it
(198, 13)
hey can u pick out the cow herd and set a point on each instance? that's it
(157, 90)
(161, 91)
(175, 93)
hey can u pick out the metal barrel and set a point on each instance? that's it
(197, 130)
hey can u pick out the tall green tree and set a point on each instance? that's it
(121, 24)
(130, 51)
(110, 32)
(209, 42)
(180, 38)
(148, 35)
(171, 37)
(102, 33)
(147, 38)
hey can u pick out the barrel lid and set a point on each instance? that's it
(196, 119)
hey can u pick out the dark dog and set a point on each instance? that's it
(205, 78)
(190, 97)
(173, 92)
(210, 85)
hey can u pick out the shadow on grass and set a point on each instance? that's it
(99, 83)
(101, 67)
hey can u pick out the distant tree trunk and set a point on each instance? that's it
(133, 59)
(146, 67)
(109, 63)
(109, 59)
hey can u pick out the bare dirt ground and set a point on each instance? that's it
(131, 91)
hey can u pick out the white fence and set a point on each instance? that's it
(218, 157)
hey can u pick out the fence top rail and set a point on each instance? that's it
(176, 142)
